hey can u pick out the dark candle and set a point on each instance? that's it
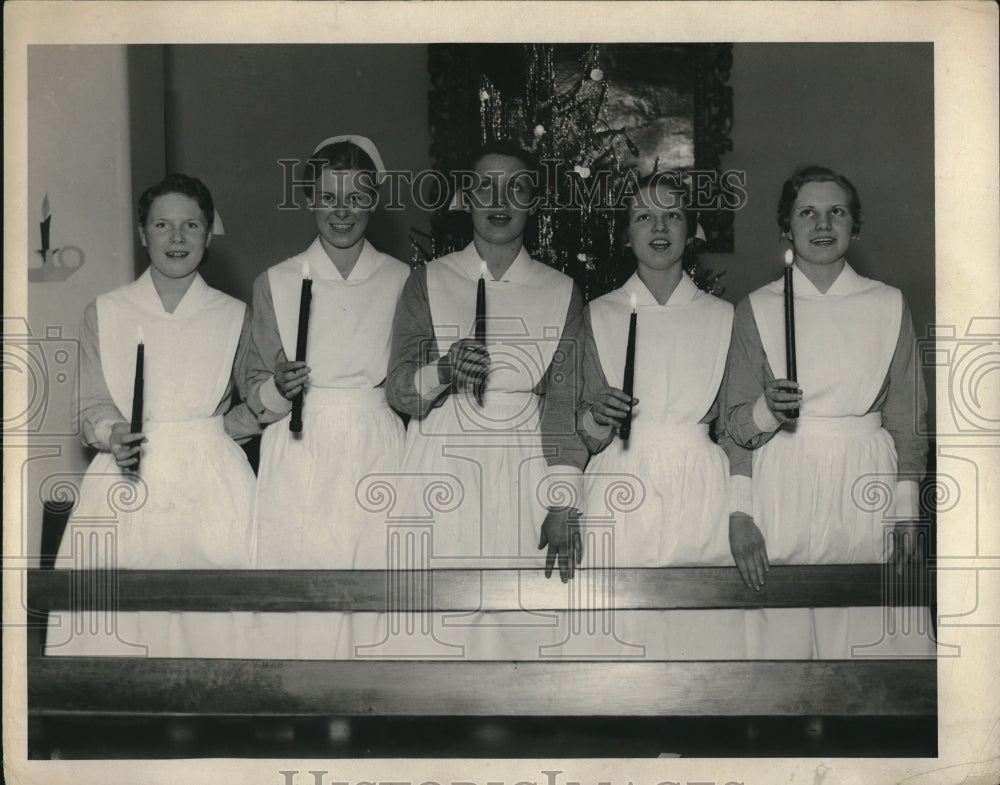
(305, 300)
(46, 223)
(137, 389)
(790, 371)
(45, 226)
(625, 429)
(480, 326)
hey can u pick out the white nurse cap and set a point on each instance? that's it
(362, 142)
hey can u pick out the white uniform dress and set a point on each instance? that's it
(308, 513)
(813, 480)
(482, 478)
(192, 504)
(663, 498)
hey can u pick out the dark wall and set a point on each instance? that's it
(866, 110)
(233, 111)
(147, 130)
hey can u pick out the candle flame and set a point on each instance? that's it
(789, 257)
(633, 300)
(482, 269)
(139, 337)
(45, 206)
(305, 270)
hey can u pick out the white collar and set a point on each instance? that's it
(847, 282)
(147, 296)
(683, 293)
(321, 266)
(470, 263)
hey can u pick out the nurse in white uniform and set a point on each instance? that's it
(308, 515)
(514, 462)
(664, 494)
(862, 405)
(189, 503)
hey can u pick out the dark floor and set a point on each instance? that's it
(501, 737)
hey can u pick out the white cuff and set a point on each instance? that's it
(562, 487)
(102, 432)
(763, 417)
(907, 500)
(272, 399)
(425, 380)
(599, 432)
(740, 494)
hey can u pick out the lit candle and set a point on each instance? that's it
(480, 326)
(305, 300)
(790, 371)
(45, 224)
(625, 429)
(137, 389)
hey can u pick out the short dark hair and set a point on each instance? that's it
(185, 185)
(675, 180)
(816, 174)
(506, 148)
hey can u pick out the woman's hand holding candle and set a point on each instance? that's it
(749, 550)
(466, 363)
(782, 397)
(291, 378)
(124, 445)
(612, 406)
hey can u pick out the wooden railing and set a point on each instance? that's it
(857, 687)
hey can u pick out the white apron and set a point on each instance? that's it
(192, 504)
(805, 478)
(474, 474)
(664, 499)
(308, 514)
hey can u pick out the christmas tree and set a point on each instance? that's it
(588, 165)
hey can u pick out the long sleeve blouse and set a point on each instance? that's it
(355, 312)
(412, 386)
(97, 412)
(265, 351)
(901, 400)
(597, 437)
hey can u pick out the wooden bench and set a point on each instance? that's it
(861, 687)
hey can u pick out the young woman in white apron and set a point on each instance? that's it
(861, 404)
(662, 496)
(499, 480)
(189, 503)
(308, 514)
